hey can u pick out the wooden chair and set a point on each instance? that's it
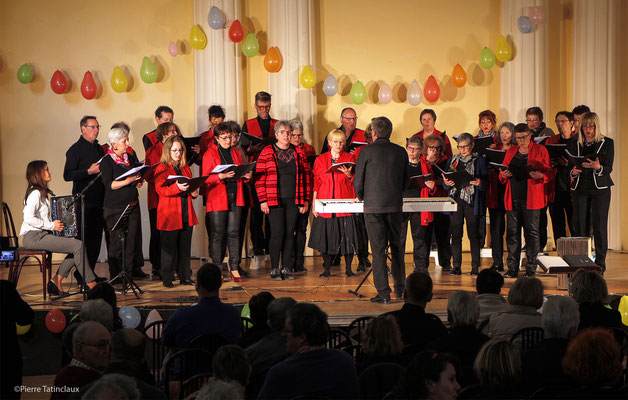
(183, 366)
(193, 384)
(337, 338)
(210, 342)
(379, 379)
(357, 327)
(527, 338)
(247, 323)
(155, 351)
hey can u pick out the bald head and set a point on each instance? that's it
(128, 345)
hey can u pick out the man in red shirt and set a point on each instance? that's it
(216, 115)
(162, 114)
(348, 122)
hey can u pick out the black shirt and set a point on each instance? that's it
(586, 176)
(563, 173)
(184, 202)
(519, 187)
(119, 198)
(79, 157)
(226, 158)
(414, 169)
(287, 172)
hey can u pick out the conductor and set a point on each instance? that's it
(380, 177)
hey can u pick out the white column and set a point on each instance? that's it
(596, 82)
(524, 78)
(291, 30)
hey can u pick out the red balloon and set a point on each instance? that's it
(88, 86)
(431, 91)
(58, 83)
(55, 321)
(236, 33)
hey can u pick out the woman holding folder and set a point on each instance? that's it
(175, 214)
(119, 193)
(224, 199)
(334, 234)
(524, 197)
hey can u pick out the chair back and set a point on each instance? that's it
(337, 338)
(357, 327)
(247, 323)
(155, 350)
(183, 366)
(379, 379)
(9, 240)
(194, 384)
(354, 350)
(209, 342)
(527, 338)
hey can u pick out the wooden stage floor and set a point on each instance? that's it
(331, 294)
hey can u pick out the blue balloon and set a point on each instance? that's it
(524, 24)
(215, 18)
(330, 86)
(130, 317)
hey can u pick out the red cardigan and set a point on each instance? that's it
(426, 168)
(538, 158)
(216, 190)
(266, 177)
(307, 149)
(169, 216)
(153, 157)
(447, 152)
(332, 185)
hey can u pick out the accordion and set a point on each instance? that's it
(67, 209)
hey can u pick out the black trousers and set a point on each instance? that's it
(115, 242)
(561, 210)
(244, 214)
(465, 212)
(154, 245)
(384, 230)
(542, 228)
(298, 258)
(520, 216)
(497, 218)
(482, 229)
(258, 221)
(328, 260)
(363, 248)
(420, 251)
(283, 222)
(175, 254)
(596, 202)
(94, 225)
(225, 233)
(440, 228)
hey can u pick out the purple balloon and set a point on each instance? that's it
(524, 24)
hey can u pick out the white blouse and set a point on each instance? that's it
(36, 214)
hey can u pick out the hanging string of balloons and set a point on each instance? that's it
(273, 62)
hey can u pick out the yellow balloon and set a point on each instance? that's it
(22, 329)
(198, 40)
(307, 78)
(503, 52)
(119, 83)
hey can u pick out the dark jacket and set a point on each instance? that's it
(605, 151)
(418, 327)
(480, 171)
(381, 176)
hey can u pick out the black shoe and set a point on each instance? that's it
(139, 275)
(168, 285)
(156, 276)
(100, 279)
(78, 277)
(445, 269)
(361, 268)
(325, 274)
(187, 282)
(274, 274)
(300, 269)
(473, 273)
(498, 268)
(455, 271)
(287, 274)
(349, 273)
(242, 272)
(511, 274)
(53, 290)
(380, 299)
(529, 275)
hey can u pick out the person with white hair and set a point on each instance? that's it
(119, 194)
(97, 310)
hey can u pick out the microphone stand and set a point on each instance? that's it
(123, 225)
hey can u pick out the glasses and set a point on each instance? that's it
(532, 120)
(263, 107)
(464, 146)
(349, 118)
(99, 346)
(225, 137)
(284, 131)
(437, 148)
(588, 126)
(561, 121)
(172, 131)
(177, 151)
(413, 148)
(297, 135)
(521, 138)
(92, 126)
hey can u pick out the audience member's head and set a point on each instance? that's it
(588, 287)
(560, 317)
(526, 292)
(208, 280)
(306, 326)
(104, 290)
(382, 337)
(113, 387)
(463, 309)
(429, 375)
(498, 365)
(258, 305)
(97, 310)
(418, 289)
(593, 358)
(216, 389)
(230, 363)
(90, 344)
(128, 345)
(278, 311)
(489, 281)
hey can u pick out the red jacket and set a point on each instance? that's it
(266, 177)
(538, 158)
(426, 168)
(447, 152)
(169, 216)
(253, 128)
(332, 185)
(307, 149)
(153, 157)
(207, 140)
(216, 190)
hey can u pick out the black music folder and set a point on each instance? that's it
(418, 181)
(355, 145)
(460, 178)
(334, 167)
(557, 150)
(495, 156)
(578, 260)
(143, 170)
(255, 140)
(482, 144)
(191, 141)
(240, 170)
(576, 160)
(194, 183)
(519, 173)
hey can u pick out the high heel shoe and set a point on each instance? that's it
(325, 274)
(53, 290)
(235, 278)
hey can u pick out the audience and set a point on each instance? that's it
(210, 315)
(429, 375)
(216, 389)
(489, 286)
(542, 364)
(589, 289)
(381, 343)
(231, 365)
(312, 370)
(418, 327)
(498, 367)
(463, 338)
(103, 290)
(97, 310)
(524, 299)
(258, 306)
(114, 387)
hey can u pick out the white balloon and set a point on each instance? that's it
(415, 93)
(384, 94)
(330, 86)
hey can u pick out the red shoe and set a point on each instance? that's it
(235, 278)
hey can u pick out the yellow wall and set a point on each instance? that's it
(255, 76)
(621, 161)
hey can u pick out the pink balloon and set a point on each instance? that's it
(384, 94)
(536, 15)
(172, 49)
(153, 316)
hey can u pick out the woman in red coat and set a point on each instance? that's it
(283, 188)
(524, 197)
(334, 234)
(224, 199)
(175, 213)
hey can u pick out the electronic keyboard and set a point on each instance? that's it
(410, 204)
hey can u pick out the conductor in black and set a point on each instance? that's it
(380, 178)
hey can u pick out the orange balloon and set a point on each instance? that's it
(458, 76)
(88, 86)
(273, 60)
(431, 91)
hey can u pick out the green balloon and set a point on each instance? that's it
(358, 93)
(25, 73)
(487, 58)
(148, 71)
(250, 45)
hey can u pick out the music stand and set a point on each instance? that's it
(122, 224)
